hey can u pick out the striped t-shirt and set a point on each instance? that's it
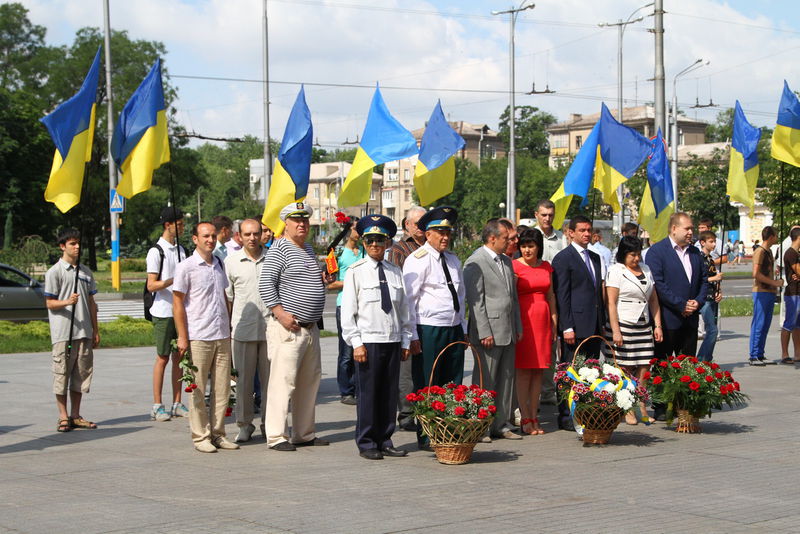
(291, 277)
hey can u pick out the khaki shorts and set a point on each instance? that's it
(164, 332)
(73, 373)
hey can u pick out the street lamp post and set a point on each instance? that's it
(673, 138)
(511, 177)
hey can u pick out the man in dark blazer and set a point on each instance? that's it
(578, 281)
(681, 284)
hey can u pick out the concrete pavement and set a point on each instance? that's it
(134, 475)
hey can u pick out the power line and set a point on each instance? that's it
(756, 26)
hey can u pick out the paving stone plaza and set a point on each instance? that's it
(134, 475)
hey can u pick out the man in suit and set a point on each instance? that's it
(494, 321)
(681, 284)
(578, 281)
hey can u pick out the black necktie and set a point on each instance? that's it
(386, 301)
(450, 285)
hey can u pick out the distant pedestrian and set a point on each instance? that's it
(235, 243)
(710, 308)
(73, 368)
(223, 226)
(791, 299)
(764, 288)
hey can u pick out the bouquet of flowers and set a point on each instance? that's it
(454, 417)
(188, 368)
(693, 388)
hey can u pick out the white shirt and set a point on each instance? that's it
(248, 314)
(162, 304)
(683, 257)
(580, 249)
(553, 244)
(605, 256)
(363, 319)
(204, 286)
(429, 299)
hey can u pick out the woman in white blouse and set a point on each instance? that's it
(631, 302)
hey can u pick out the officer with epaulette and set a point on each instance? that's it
(435, 289)
(376, 323)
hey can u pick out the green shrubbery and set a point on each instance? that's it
(35, 336)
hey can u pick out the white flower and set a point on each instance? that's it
(611, 370)
(611, 388)
(624, 399)
(629, 386)
(588, 374)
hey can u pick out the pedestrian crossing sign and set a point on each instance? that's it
(116, 202)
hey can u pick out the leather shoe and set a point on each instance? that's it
(507, 434)
(283, 446)
(391, 451)
(205, 446)
(408, 426)
(245, 433)
(565, 423)
(316, 442)
(224, 443)
(485, 439)
(371, 454)
(348, 400)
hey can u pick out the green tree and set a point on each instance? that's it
(722, 129)
(530, 130)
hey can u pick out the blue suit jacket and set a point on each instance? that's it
(579, 299)
(672, 287)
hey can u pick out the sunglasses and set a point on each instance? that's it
(374, 240)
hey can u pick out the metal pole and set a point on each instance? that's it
(112, 169)
(267, 181)
(660, 94)
(619, 69)
(512, 174)
(673, 146)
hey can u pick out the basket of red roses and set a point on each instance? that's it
(598, 394)
(691, 389)
(454, 417)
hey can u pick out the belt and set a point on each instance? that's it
(306, 325)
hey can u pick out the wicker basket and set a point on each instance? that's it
(453, 439)
(688, 423)
(598, 423)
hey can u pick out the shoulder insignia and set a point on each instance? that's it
(420, 253)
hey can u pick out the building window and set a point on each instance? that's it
(406, 176)
(392, 174)
(578, 142)
(363, 212)
(407, 195)
(488, 152)
(388, 195)
(559, 141)
(316, 191)
(372, 194)
(390, 213)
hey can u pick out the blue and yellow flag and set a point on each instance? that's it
(71, 126)
(658, 200)
(384, 140)
(293, 165)
(786, 137)
(743, 169)
(140, 144)
(578, 179)
(435, 173)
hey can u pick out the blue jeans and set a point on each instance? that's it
(709, 314)
(763, 304)
(345, 370)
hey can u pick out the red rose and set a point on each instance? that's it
(676, 365)
(686, 378)
(460, 410)
(477, 400)
(718, 374)
(492, 394)
(646, 375)
(450, 386)
(682, 357)
(670, 358)
(727, 374)
(653, 361)
(439, 406)
(411, 397)
(662, 364)
(714, 366)
(736, 386)
(723, 390)
(492, 409)
(188, 389)
(694, 386)
(657, 380)
(459, 397)
(694, 360)
(709, 378)
(482, 414)
(700, 370)
(228, 411)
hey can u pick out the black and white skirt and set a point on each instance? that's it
(637, 343)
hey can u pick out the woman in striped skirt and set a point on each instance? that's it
(631, 302)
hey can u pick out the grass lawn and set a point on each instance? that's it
(741, 306)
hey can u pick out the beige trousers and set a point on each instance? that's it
(214, 357)
(249, 357)
(294, 376)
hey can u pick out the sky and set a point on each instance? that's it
(455, 51)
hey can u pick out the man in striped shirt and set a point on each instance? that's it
(292, 287)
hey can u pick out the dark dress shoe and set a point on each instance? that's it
(391, 451)
(408, 426)
(316, 442)
(371, 454)
(283, 446)
(349, 400)
(565, 423)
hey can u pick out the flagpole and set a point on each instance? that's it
(175, 206)
(266, 183)
(112, 169)
(82, 225)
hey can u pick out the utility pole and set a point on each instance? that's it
(660, 95)
(116, 281)
(266, 182)
(511, 178)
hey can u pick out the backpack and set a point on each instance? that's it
(148, 297)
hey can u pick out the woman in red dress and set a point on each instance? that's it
(537, 306)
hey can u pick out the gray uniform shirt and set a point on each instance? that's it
(59, 283)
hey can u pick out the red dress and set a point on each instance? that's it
(534, 351)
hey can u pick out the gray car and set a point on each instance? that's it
(21, 297)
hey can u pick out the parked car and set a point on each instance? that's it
(21, 297)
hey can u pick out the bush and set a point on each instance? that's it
(138, 265)
(35, 336)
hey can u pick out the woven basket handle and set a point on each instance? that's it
(474, 353)
(604, 340)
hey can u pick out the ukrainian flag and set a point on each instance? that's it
(658, 200)
(384, 140)
(435, 173)
(71, 126)
(293, 165)
(743, 169)
(140, 144)
(786, 137)
(610, 155)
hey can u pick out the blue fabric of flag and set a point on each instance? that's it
(745, 138)
(440, 141)
(296, 146)
(658, 175)
(385, 139)
(789, 109)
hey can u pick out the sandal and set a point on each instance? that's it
(63, 425)
(788, 361)
(80, 422)
(527, 422)
(630, 418)
(536, 428)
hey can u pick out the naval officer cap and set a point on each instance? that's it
(440, 217)
(296, 209)
(376, 225)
